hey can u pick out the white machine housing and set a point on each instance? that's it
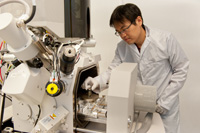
(30, 86)
(121, 98)
(20, 42)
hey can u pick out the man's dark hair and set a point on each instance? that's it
(128, 11)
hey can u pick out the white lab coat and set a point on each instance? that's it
(161, 63)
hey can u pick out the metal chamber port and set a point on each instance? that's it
(82, 102)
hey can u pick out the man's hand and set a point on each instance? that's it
(161, 110)
(90, 83)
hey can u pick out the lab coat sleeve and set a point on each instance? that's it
(103, 79)
(180, 65)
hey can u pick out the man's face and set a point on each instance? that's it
(130, 33)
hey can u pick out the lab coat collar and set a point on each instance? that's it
(146, 41)
(144, 45)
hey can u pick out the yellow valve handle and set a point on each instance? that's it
(52, 89)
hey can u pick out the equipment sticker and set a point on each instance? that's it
(53, 116)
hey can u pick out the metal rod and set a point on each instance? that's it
(87, 130)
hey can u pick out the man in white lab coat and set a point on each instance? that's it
(161, 62)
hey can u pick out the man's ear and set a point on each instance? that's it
(138, 20)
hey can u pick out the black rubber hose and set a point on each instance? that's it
(32, 15)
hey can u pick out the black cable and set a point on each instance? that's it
(38, 115)
(2, 111)
(32, 15)
(77, 60)
(2, 64)
(7, 97)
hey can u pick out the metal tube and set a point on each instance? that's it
(42, 48)
(87, 130)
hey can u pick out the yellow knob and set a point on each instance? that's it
(52, 89)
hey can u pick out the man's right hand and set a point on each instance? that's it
(161, 110)
(90, 83)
